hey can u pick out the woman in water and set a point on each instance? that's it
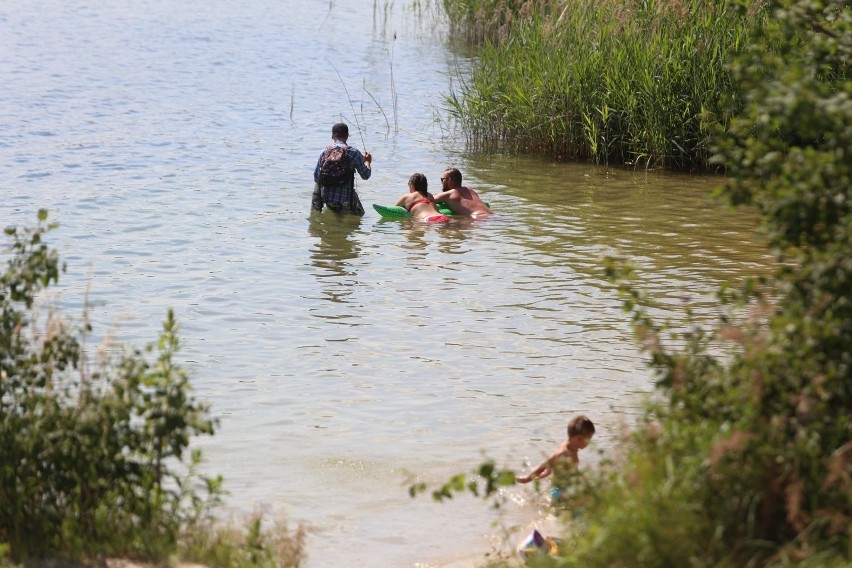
(419, 202)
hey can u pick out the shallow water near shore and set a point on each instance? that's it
(346, 357)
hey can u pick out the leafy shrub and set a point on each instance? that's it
(749, 455)
(94, 456)
(745, 454)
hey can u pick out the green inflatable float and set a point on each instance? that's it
(397, 212)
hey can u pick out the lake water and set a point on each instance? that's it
(174, 142)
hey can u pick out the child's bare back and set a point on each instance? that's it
(580, 432)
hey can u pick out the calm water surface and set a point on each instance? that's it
(174, 142)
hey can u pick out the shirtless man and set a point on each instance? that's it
(460, 199)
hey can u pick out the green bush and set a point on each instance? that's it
(748, 455)
(745, 454)
(94, 455)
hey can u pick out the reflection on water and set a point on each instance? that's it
(664, 223)
(454, 236)
(335, 244)
(175, 148)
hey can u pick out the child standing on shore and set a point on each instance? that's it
(580, 432)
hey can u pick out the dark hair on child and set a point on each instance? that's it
(580, 426)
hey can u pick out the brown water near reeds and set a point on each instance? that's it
(174, 143)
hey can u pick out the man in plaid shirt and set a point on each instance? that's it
(341, 198)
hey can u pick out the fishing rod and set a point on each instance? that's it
(352, 106)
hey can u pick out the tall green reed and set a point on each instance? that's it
(636, 82)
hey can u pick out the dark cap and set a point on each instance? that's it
(340, 130)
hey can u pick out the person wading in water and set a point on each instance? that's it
(334, 174)
(460, 199)
(419, 202)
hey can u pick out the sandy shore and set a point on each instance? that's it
(506, 553)
(549, 526)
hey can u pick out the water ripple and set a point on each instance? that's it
(175, 148)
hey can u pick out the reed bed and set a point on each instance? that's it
(611, 81)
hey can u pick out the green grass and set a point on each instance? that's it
(635, 82)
